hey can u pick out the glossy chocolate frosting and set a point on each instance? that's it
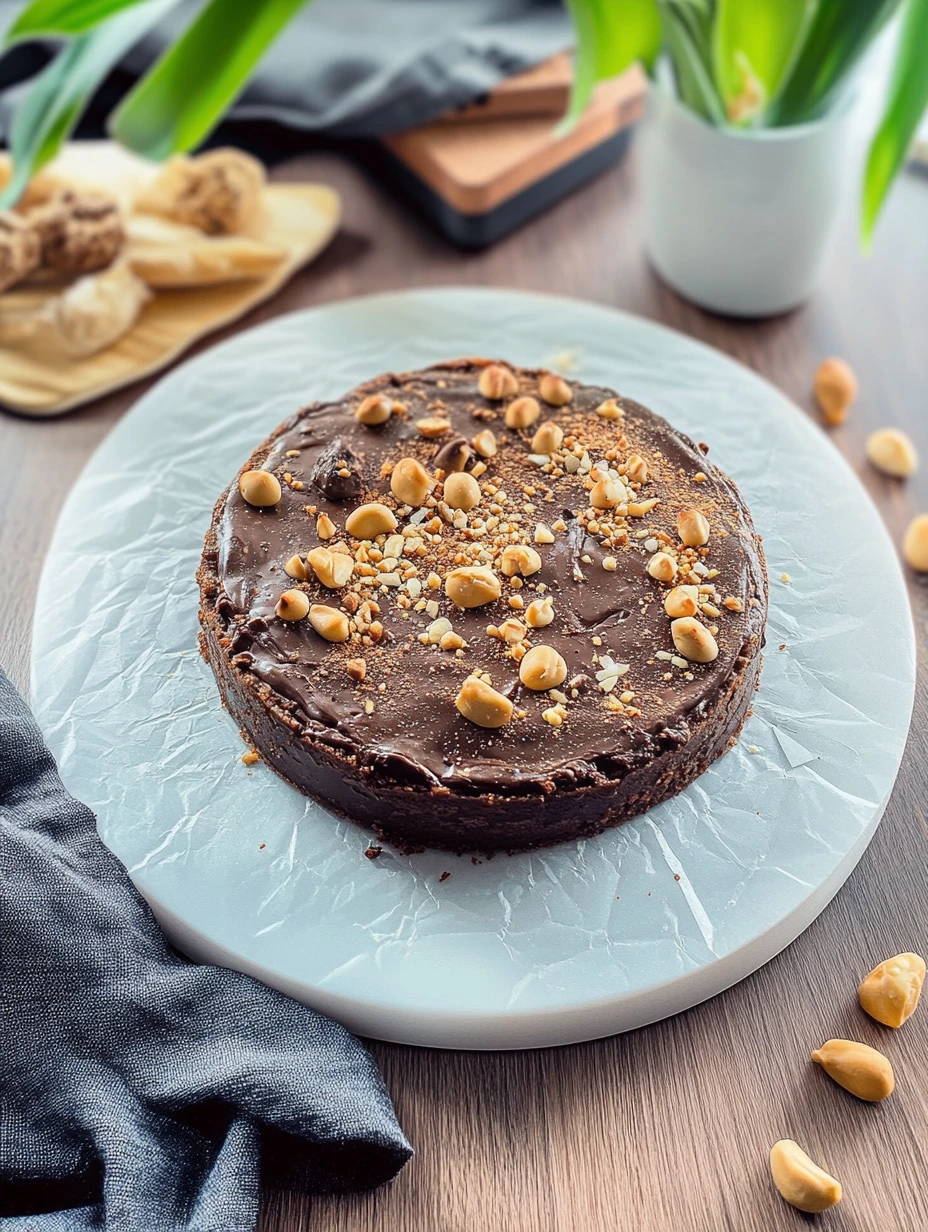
(399, 726)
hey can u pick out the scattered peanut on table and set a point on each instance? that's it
(862, 1070)
(890, 992)
(801, 1181)
(835, 388)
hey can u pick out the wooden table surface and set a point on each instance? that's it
(666, 1128)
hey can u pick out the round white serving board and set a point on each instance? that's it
(575, 942)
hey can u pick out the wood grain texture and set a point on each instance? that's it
(666, 1128)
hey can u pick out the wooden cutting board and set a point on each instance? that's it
(299, 218)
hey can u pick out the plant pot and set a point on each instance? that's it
(740, 220)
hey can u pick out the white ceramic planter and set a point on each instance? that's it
(740, 221)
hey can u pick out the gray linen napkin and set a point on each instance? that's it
(134, 1085)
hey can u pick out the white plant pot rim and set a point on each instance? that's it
(784, 132)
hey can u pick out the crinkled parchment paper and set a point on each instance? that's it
(577, 941)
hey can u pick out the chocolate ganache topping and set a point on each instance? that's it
(542, 588)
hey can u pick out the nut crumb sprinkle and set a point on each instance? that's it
(426, 551)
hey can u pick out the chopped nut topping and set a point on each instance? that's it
(543, 534)
(333, 569)
(522, 412)
(431, 427)
(548, 438)
(542, 668)
(681, 601)
(292, 605)
(481, 704)
(259, 488)
(485, 444)
(369, 521)
(375, 409)
(539, 613)
(662, 567)
(555, 390)
(693, 640)
(610, 409)
(607, 494)
(497, 382)
(296, 569)
(693, 527)
(462, 491)
(521, 560)
(410, 482)
(325, 527)
(472, 586)
(356, 668)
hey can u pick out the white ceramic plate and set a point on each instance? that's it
(575, 942)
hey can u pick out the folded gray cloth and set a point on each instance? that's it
(134, 1085)
(356, 68)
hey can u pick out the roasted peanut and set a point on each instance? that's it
(369, 521)
(375, 409)
(682, 601)
(835, 388)
(555, 390)
(861, 1070)
(462, 491)
(892, 452)
(522, 412)
(292, 605)
(609, 409)
(693, 527)
(485, 443)
(890, 992)
(333, 569)
(325, 527)
(693, 640)
(259, 488)
(511, 631)
(915, 544)
(519, 559)
(606, 494)
(548, 438)
(410, 482)
(663, 567)
(543, 534)
(800, 1181)
(481, 704)
(296, 569)
(539, 613)
(329, 622)
(637, 469)
(496, 382)
(472, 586)
(542, 668)
(432, 426)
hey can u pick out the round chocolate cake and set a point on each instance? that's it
(479, 608)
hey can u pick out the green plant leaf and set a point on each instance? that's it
(57, 97)
(687, 31)
(906, 103)
(838, 34)
(181, 99)
(753, 47)
(53, 18)
(610, 37)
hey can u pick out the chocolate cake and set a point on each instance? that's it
(478, 607)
